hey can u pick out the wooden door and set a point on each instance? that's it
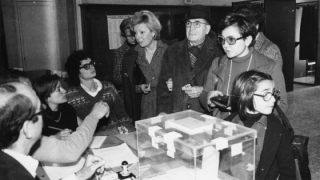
(280, 29)
(37, 33)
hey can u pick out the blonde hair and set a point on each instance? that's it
(149, 19)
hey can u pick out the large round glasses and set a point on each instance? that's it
(87, 66)
(230, 40)
(196, 24)
(267, 96)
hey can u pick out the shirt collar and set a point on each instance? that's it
(26, 161)
(96, 81)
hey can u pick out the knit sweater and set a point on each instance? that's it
(84, 102)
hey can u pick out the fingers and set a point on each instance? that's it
(94, 162)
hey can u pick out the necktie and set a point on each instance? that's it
(194, 52)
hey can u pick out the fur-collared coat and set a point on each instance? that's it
(176, 65)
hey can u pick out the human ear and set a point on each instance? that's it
(248, 40)
(208, 28)
(27, 129)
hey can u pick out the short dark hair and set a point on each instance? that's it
(73, 63)
(254, 12)
(246, 26)
(125, 24)
(44, 86)
(244, 86)
(14, 112)
(12, 75)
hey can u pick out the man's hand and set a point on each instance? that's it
(193, 91)
(145, 88)
(213, 94)
(64, 134)
(100, 109)
(92, 164)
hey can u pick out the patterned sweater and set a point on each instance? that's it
(83, 103)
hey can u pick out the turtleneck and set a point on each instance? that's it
(251, 119)
(243, 58)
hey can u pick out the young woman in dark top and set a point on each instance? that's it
(57, 113)
(253, 97)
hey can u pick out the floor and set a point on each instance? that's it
(304, 115)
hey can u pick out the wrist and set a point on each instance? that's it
(79, 175)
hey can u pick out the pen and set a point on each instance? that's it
(55, 128)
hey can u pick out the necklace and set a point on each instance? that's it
(57, 120)
(231, 72)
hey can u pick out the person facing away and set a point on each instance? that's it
(186, 63)
(253, 98)
(256, 14)
(87, 91)
(68, 150)
(20, 126)
(236, 35)
(118, 54)
(147, 55)
(57, 114)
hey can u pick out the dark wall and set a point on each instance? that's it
(95, 28)
(3, 50)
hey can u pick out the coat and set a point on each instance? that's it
(176, 65)
(276, 156)
(131, 76)
(11, 169)
(217, 78)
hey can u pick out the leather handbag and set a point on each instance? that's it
(299, 145)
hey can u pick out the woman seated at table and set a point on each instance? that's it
(87, 91)
(253, 97)
(60, 118)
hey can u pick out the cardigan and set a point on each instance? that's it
(118, 56)
(176, 65)
(217, 78)
(276, 156)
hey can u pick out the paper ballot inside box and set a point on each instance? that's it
(190, 125)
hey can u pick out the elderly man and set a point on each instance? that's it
(20, 126)
(185, 65)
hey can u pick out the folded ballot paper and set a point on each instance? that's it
(115, 155)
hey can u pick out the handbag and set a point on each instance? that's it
(299, 145)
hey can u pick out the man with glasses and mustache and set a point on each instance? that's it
(185, 65)
(87, 90)
(237, 35)
(20, 126)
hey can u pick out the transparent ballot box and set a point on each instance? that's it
(189, 145)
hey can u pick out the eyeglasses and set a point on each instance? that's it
(196, 24)
(230, 40)
(267, 96)
(87, 66)
(40, 113)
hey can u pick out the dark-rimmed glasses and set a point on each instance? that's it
(40, 113)
(196, 24)
(87, 66)
(230, 40)
(267, 96)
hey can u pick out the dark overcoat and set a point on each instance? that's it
(176, 65)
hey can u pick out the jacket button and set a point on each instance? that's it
(126, 74)
(188, 106)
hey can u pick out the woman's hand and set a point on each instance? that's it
(93, 164)
(213, 94)
(64, 134)
(169, 84)
(145, 88)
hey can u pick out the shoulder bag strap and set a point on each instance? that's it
(284, 119)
